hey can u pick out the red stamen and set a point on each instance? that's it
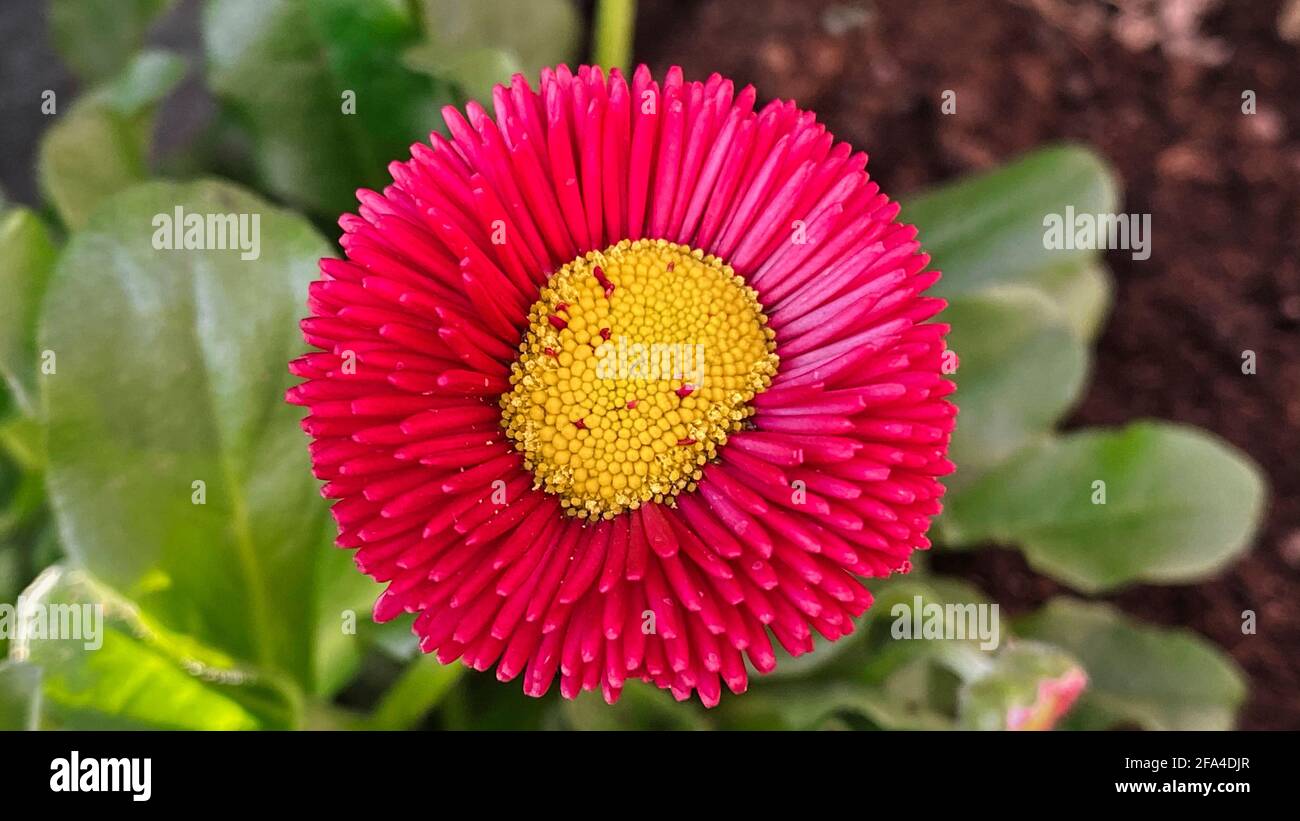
(603, 280)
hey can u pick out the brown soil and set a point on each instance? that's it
(1223, 189)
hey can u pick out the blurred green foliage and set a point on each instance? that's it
(98, 38)
(236, 613)
(101, 146)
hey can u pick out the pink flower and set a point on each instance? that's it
(1054, 698)
(625, 381)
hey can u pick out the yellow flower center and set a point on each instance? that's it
(638, 361)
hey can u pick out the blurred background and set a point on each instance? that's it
(1155, 87)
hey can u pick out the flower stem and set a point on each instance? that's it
(615, 23)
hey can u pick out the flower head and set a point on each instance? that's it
(624, 381)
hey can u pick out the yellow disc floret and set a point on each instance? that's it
(638, 361)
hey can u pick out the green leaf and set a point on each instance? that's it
(286, 68)
(1155, 678)
(24, 269)
(97, 38)
(1029, 686)
(101, 146)
(1084, 295)
(23, 515)
(527, 34)
(988, 230)
(870, 653)
(20, 696)
(23, 439)
(46, 548)
(343, 609)
(474, 71)
(908, 598)
(1021, 368)
(143, 83)
(10, 572)
(898, 675)
(415, 693)
(824, 705)
(22, 496)
(1179, 504)
(171, 371)
(108, 666)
